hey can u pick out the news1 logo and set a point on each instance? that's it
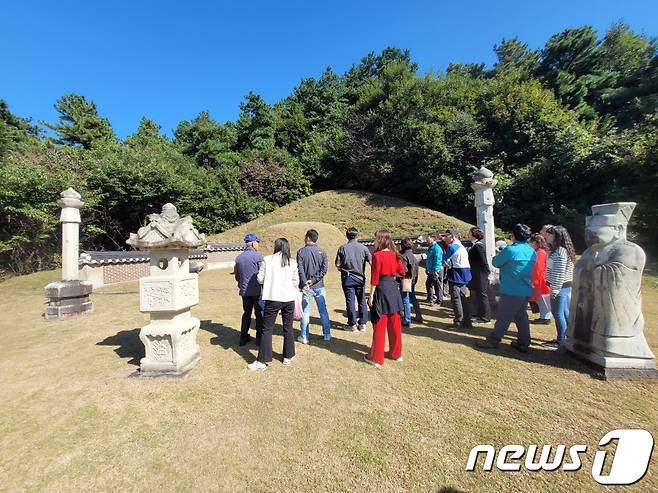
(630, 460)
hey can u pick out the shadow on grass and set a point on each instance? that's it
(129, 345)
(444, 332)
(229, 338)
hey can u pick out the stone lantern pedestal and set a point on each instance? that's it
(168, 293)
(70, 296)
(483, 184)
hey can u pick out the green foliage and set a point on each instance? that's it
(79, 123)
(563, 127)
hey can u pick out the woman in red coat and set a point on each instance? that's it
(385, 300)
(541, 291)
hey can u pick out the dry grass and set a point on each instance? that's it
(71, 419)
(344, 208)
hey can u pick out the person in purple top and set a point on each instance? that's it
(246, 272)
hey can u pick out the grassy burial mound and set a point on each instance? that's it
(344, 208)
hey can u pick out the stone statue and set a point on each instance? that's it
(606, 325)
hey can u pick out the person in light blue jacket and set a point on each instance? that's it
(516, 263)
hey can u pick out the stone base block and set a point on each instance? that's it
(613, 368)
(68, 298)
(171, 349)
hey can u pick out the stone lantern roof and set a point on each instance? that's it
(167, 230)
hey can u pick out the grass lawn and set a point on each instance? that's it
(71, 419)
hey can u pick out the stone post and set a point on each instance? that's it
(483, 184)
(168, 293)
(70, 296)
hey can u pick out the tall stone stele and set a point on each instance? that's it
(606, 326)
(483, 184)
(70, 296)
(168, 293)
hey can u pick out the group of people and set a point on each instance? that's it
(535, 268)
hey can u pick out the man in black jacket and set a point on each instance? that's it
(312, 264)
(480, 270)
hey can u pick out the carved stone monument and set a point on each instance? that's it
(483, 184)
(169, 293)
(606, 326)
(70, 296)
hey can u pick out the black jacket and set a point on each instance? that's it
(477, 257)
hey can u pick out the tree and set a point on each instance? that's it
(148, 134)
(255, 127)
(513, 54)
(79, 123)
(14, 130)
(209, 143)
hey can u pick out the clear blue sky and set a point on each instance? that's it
(169, 60)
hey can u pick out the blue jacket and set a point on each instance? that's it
(246, 272)
(516, 263)
(434, 261)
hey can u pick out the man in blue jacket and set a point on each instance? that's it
(434, 269)
(246, 272)
(516, 263)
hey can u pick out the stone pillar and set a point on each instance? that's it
(70, 296)
(483, 184)
(168, 293)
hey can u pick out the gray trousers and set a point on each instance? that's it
(512, 309)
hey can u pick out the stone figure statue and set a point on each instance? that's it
(606, 325)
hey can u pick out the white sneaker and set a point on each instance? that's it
(362, 327)
(287, 361)
(257, 366)
(371, 362)
(399, 360)
(302, 340)
(327, 338)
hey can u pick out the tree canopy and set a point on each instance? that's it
(563, 127)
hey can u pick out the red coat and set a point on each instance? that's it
(539, 275)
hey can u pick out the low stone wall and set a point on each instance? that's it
(111, 267)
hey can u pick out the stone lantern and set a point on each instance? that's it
(168, 293)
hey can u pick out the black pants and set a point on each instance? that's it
(434, 286)
(480, 303)
(355, 295)
(272, 309)
(460, 306)
(249, 304)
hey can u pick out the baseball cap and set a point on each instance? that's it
(249, 237)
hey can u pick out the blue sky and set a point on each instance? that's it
(169, 60)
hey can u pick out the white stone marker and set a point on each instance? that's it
(483, 183)
(168, 293)
(70, 296)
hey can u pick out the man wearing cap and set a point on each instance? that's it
(246, 272)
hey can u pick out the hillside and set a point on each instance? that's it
(344, 208)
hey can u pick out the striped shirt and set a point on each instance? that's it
(559, 269)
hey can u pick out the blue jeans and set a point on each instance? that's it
(320, 299)
(409, 299)
(560, 309)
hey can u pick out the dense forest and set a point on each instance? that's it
(572, 124)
